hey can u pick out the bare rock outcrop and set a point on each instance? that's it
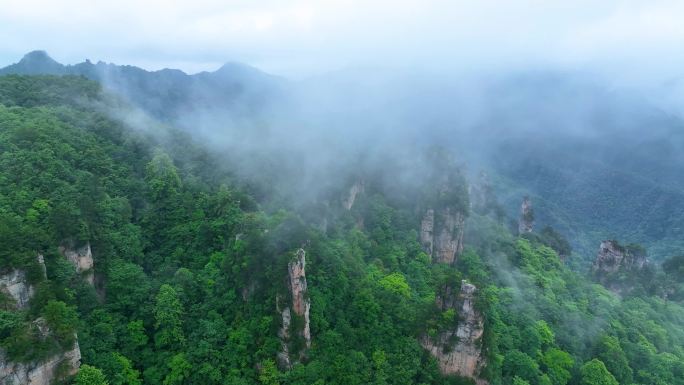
(441, 234)
(458, 350)
(613, 257)
(356, 189)
(41, 264)
(449, 239)
(15, 285)
(526, 221)
(49, 370)
(284, 335)
(444, 205)
(298, 290)
(300, 306)
(45, 372)
(427, 229)
(81, 258)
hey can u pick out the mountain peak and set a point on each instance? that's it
(37, 57)
(35, 62)
(233, 68)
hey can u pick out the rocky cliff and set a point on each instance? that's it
(298, 290)
(526, 221)
(300, 306)
(356, 189)
(441, 234)
(45, 372)
(427, 230)
(613, 257)
(15, 285)
(81, 258)
(458, 349)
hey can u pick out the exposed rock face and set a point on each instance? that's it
(441, 234)
(300, 306)
(427, 227)
(449, 241)
(354, 190)
(15, 285)
(526, 221)
(43, 372)
(40, 373)
(284, 335)
(613, 257)
(82, 259)
(458, 351)
(298, 290)
(446, 298)
(41, 264)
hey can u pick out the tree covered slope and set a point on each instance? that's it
(600, 162)
(193, 268)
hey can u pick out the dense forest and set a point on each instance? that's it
(164, 264)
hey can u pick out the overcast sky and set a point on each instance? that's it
(296, 38)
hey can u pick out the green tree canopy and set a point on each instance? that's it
(90, 375)
(594, 372)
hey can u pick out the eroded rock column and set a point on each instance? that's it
(526, 221)
(441, 234)
(458, 350)
(299, 308)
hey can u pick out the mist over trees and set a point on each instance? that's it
(195, 194)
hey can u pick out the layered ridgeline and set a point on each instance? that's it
(152, 260)
(600, 161)
(169, 94)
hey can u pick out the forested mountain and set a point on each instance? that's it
(168, 94)
(601, 161)
(133, 245)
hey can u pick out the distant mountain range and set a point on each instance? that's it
(169, 93)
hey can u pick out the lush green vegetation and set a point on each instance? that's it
(592, 192)
(189, 267)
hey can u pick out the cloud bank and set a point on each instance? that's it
(633, 39)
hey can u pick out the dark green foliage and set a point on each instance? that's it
(168, 314)
(62, 321)
(556, 241)
(596, 188)
(189, 268)
(673, 278)
(674, 267)
(90, 375)
(36, 91)
(610, 352)
(594, 372)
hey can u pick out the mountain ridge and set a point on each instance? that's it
(166, 94)
(31, 62)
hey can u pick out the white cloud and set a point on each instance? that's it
(305, 35)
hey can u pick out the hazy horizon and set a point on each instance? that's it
(628, 40)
